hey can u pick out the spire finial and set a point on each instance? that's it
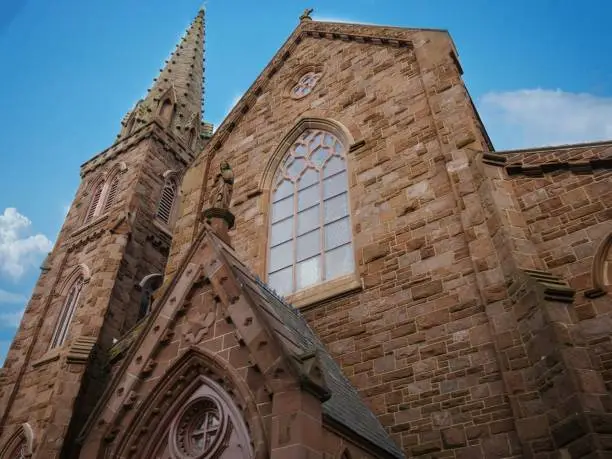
(184, 73)
(306, 14)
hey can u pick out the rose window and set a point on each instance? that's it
(305, 85)
(310, 234)
(201, 430)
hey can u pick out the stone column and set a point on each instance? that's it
(296, 425)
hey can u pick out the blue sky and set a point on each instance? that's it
(539, 71)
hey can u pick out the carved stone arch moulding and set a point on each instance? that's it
(21, 442)
(602, 265)
(346, 136)
(197, 382)
(167, 106)
(80, 270)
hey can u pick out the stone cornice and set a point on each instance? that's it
(552, 148)
(577, 167)
(153, 130)
(376, 35)
(87, 233)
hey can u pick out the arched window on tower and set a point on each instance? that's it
(20, 444)
(148, 285)
(346, 454)
(104, 193)
(191, 137)
(167, 200)
(67, 311)
(602, 266)
(94, 203)
(166, 111)
(113, 186)
(310, 230)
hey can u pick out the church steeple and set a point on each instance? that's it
(176, 97)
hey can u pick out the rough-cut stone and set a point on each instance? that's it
(476, 322)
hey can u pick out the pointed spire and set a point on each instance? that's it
(181, 81)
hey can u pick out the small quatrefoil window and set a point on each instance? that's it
(305, 85)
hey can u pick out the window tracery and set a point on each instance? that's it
(305, 85)
(208, 426)
(201, 429)
(67, 312)
(310, 234)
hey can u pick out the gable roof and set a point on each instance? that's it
(342, 407)
(345, 407)
(362, 33)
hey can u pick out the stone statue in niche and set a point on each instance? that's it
(221, 193)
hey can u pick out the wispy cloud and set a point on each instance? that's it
(541, 117)
(18, 251)
(11, 319)
(11, 298)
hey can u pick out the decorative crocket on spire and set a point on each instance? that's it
(176, 97)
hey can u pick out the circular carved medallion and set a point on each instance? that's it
(201, 430)
(305, 85)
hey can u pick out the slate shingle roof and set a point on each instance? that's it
(344, 406)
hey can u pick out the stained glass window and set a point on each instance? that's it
(305, 85)
(310, 233)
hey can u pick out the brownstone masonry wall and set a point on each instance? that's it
(415, 340)
(39, 386)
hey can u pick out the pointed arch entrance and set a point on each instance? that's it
(201, 409)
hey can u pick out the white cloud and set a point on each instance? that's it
(18, 251)
(9, 297)
(11, 319)
(541, 117)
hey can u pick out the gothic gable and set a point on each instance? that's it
(215, 321)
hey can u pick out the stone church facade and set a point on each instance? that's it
(344, 269)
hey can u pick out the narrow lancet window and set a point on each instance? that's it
(67, 313)
(166, 202)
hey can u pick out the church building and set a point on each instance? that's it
(344, 269)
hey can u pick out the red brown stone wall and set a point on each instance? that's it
(415, 340)
(118, 251)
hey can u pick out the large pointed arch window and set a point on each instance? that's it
(310, 233)
(67, 312)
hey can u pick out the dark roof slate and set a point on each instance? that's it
(344, 406)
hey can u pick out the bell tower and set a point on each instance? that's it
(93, 284)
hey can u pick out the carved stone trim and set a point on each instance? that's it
(576, 167)
(156, 420)
(555, 288)
(49, 356)
(80, 349)
(223, 214)
(153, 129)
(493, 159)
